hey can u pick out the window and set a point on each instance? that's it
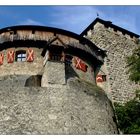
(56, 57)
(21, 56)
(55, 54)
(104, 77)
(101, 78)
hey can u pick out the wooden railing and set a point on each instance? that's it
(10, 36)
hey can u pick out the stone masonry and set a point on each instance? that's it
(118, 46)
(76, 108)
(24, 68)
(54, 73)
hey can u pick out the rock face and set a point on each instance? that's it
(78, 108)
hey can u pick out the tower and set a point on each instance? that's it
(118, 43)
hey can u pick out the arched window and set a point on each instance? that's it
(20, 56)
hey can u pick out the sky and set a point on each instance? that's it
(71, 18)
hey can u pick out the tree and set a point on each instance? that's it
(134, 65)
(128, 115)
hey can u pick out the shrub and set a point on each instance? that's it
(128, 116)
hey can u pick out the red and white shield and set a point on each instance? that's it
(30, 55)
(79, 64)
(10, 56)
(1, 58)
(99, 78)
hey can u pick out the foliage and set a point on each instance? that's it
(128, 116)
(134, 65)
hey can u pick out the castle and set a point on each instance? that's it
(48, 78)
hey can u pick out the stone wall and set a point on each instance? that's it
(89, 75)
(54, 73)
(26, 68)
(38, 68)
(75, 108)
(118, 46)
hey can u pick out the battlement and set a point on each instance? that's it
(111, 27)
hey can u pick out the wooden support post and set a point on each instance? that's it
(63, 57)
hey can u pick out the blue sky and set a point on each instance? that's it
(72, 18)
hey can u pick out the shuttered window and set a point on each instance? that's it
(30, 55)
(1, 58)
(10, 56)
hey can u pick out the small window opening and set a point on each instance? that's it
(104, 77)
(115, 30)
(56, 57)
(11, 32)
(21, 56)
(33, 31)
(55, 54)
(15, 32)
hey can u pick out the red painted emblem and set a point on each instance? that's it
(79, 64)
(1, 58)
(99, 78)
(30, 55)
(10, 56)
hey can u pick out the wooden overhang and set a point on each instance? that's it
(108, 24)
(12, 37)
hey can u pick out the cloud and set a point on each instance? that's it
(30, 22)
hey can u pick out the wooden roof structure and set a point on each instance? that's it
(41, 36)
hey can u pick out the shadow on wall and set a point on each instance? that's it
(34, 81)
(70, 73)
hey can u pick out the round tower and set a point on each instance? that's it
(48, 83)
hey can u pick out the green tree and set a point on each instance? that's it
(134, 65)
(128, 115)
